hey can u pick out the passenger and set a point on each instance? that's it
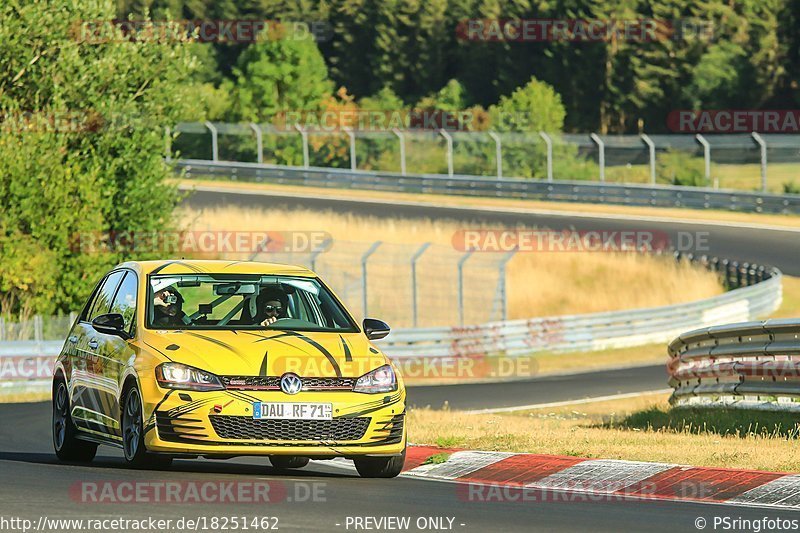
(168, 308)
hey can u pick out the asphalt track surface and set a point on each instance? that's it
(33, 484)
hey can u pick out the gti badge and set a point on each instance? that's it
(291, 383)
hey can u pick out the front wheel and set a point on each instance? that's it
(67, 445)
(383, 467)
(136, 454)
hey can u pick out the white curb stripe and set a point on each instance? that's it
(601, 475)
(459, 464)
(784, 491)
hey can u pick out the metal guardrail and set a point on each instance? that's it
(527, 189)
(754, 365)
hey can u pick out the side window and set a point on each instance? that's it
(102, 302)
(125, 301)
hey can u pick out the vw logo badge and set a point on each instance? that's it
(291, 383)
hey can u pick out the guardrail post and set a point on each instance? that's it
(503, 288)
(601, 155)
(707, 158)
(449, 139)
(316, 253)
(364, 259)
(549, 144)
(402, 140)
(214, 141)
(461, 286)
(414, 258)
(168, 144)
(352, 136)
(652, 148)
(304, 137)
(38, 333)
(763, 145)
(259, 141)
(498, 153)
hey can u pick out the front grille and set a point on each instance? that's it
(274, 383)
(244, 428)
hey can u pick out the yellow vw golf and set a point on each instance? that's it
(217, 359)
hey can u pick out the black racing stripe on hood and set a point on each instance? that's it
(263, 370)
(215, 341)
(276, 338)
(156, 349)
(348, 357)
(319, 347)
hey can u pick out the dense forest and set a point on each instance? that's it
(716, 54)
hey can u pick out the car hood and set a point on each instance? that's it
(269, 353)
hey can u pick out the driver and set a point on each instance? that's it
(168, 308)
(274, 304)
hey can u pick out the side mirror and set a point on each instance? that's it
(375, 329)
(111, 324)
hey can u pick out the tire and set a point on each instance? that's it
(382, 467)
(67, 445)
(133, 447)
(282, 462)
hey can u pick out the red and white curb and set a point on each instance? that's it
(544, 476)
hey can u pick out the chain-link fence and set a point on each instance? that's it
(766, 162)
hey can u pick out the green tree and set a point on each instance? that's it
(280, 75)
(81, 146)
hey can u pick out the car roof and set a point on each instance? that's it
(206, 266)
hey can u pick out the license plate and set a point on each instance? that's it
(292, 411)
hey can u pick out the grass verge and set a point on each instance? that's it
(25, 397)
(638, 429)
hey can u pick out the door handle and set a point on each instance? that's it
(73, 339)
(93, 344)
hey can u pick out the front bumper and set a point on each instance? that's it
(220, 423)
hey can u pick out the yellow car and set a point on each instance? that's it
(217, 359)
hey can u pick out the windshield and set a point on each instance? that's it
(228, 302)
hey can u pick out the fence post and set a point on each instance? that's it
(763, 145)
(601, 155)
(461, 286)
(707, 158)
(214, 141)
(549, 144)
(2, 329)
(449, 140)
(652, 148)
(259, 141)
(316, 253)
(402, 140)
(503, 288)
(352, 136)
(168, 143)
(498, 153)
(414, 258)
(364, 259)
(304, 137)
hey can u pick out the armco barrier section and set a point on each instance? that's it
(754, 365)
(27, 365)
(528, 189)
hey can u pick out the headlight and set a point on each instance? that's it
(379, 380)
(178, 376)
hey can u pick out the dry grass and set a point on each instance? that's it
(790, 306)
(509, 203)
(640, 429)
(539, 284)
(25, 397)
